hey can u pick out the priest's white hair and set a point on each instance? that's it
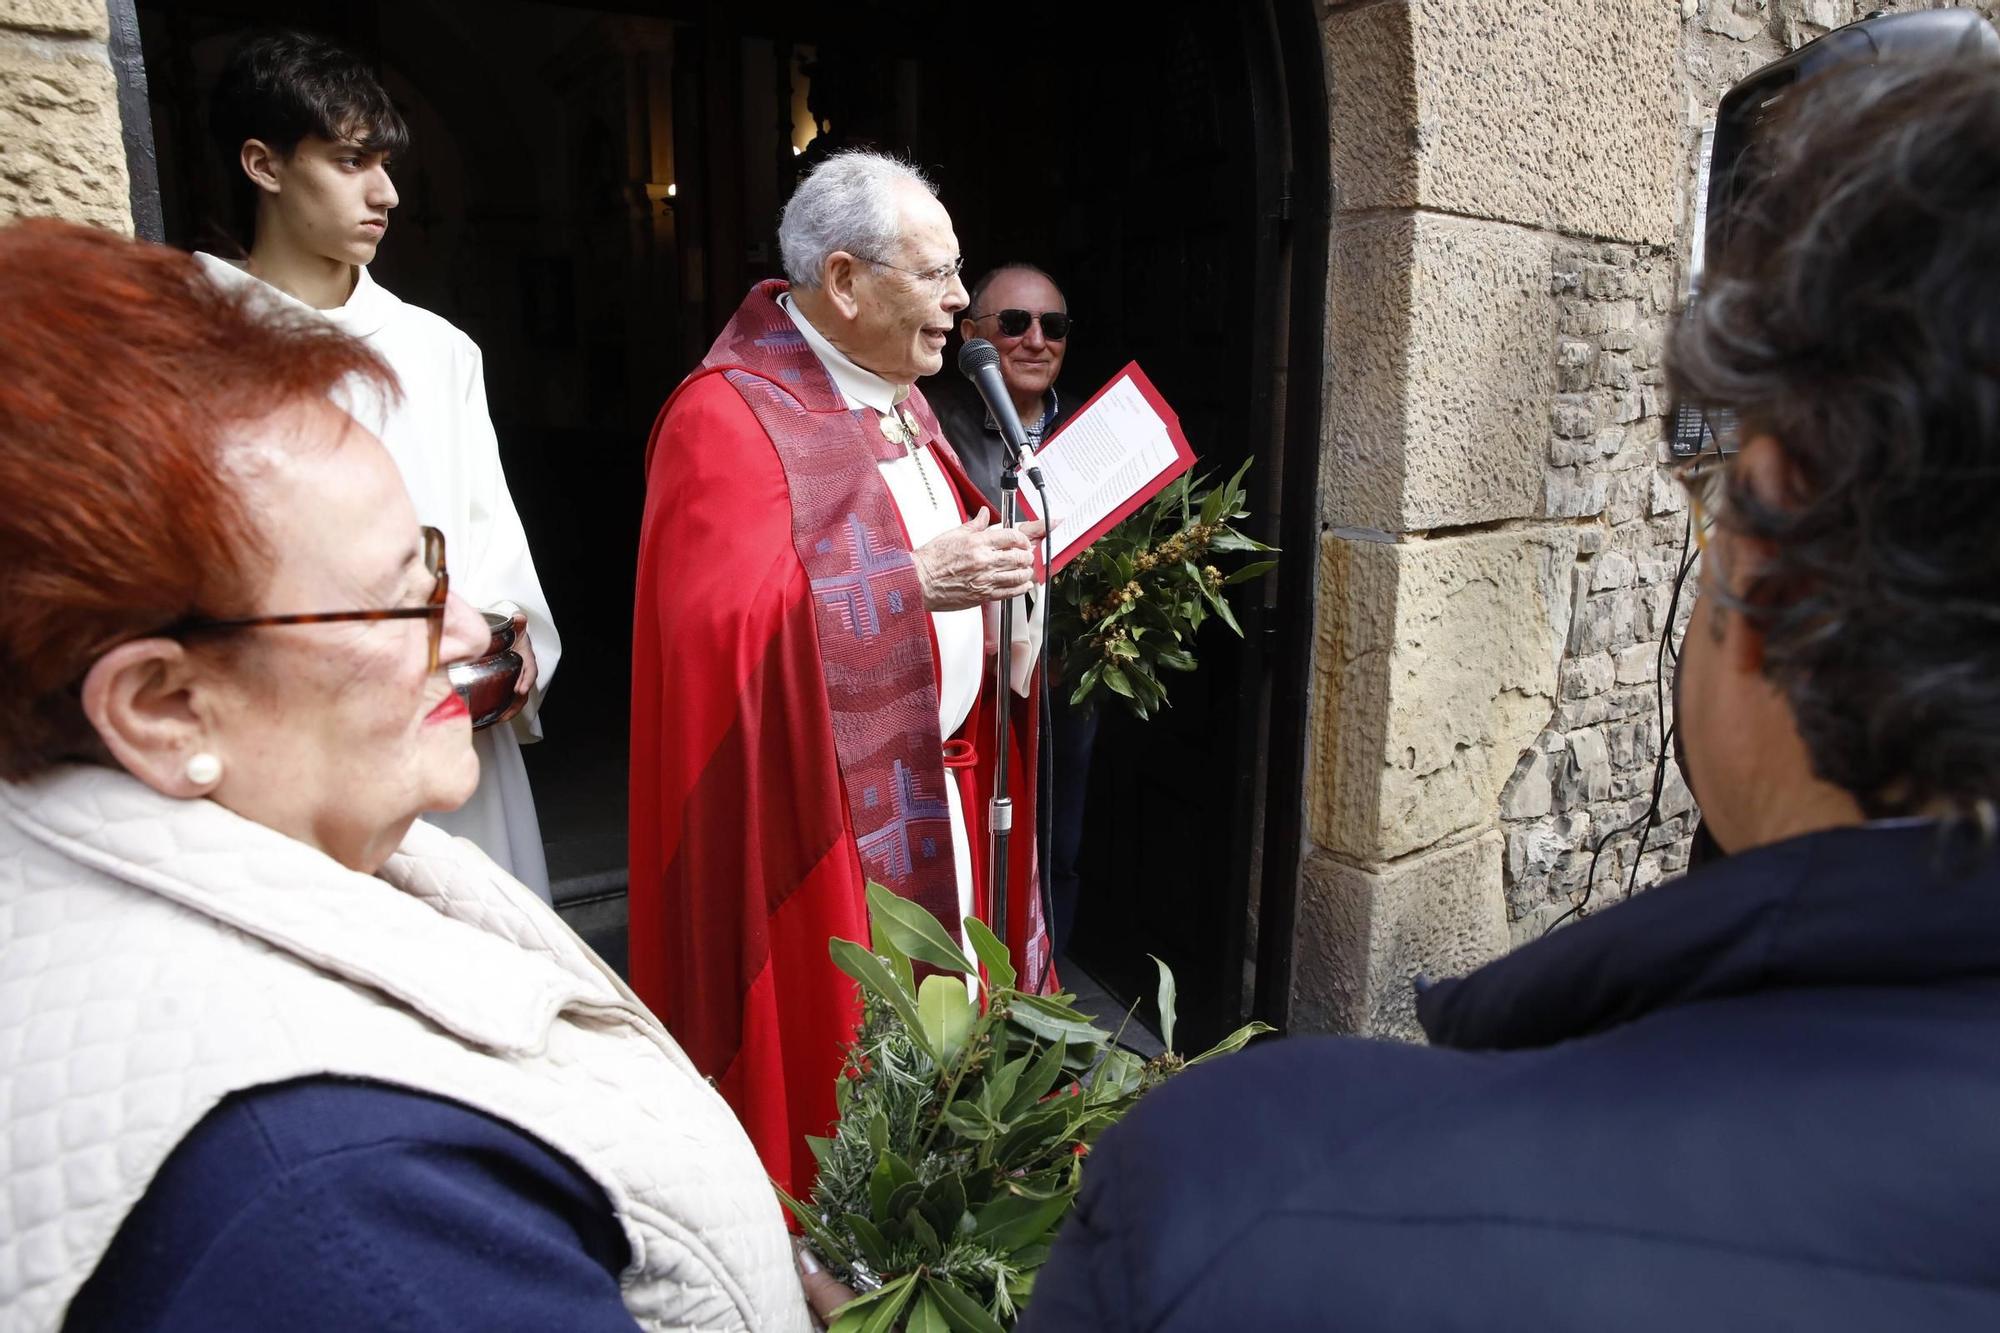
(847, 202)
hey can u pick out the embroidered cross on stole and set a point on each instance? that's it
(874, 633)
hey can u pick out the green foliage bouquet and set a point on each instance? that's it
(1128, 607)
(963, 1130)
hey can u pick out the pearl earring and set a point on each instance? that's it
(204, 769)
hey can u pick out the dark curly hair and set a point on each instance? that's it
(1853, 314)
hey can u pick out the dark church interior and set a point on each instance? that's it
(591, 189)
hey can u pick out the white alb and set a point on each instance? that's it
(442, 439)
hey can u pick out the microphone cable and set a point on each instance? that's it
(1045, 860)
(1667, 651)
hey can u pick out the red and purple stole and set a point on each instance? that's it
(874, 633)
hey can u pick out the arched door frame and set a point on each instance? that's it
(135, 120)
(1292, 106)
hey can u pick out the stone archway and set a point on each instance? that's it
(1496, 548)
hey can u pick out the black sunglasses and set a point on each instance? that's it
(1014, 323)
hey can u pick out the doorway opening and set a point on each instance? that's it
(592, 188)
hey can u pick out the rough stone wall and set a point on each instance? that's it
(1590, 773)
(1500, 542)
(61, 151)
(1454, 565)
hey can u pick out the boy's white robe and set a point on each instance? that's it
(442, 439)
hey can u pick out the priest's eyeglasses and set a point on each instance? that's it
(937, 277)
(432, 610)
(1014, 323)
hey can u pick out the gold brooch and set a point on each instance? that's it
(895, 430)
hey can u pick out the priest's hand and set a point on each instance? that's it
(975, 563)
(524, 684)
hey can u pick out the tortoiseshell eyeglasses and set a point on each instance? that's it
(432, 610)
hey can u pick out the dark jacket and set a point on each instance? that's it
(330, 1206)
(1766, 1096)
(962, 413)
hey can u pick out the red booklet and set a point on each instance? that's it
(1116, 452)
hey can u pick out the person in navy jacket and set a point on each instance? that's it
(1766, 1095)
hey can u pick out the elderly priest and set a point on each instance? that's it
(811, 701)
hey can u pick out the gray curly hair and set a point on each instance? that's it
(847, 202)
(1855, 317)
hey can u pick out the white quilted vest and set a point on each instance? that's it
(157, 955)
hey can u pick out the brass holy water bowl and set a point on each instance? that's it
(486, 683)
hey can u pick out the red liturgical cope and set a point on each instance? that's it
(785, 745)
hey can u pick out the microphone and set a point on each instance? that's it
(979, 361)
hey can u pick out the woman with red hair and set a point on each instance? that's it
(276, 1053)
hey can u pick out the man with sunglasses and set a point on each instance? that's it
(1763, 1095)
(1020, 310)
(812, 700)
(306, 133)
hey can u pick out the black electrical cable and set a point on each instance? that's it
(1049, 686)
(1660, 702)
(1688, 555)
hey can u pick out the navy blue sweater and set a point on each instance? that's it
(325, 1206)
(1764, 1097)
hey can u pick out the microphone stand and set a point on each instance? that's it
(1000, 810)
(979, 362)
